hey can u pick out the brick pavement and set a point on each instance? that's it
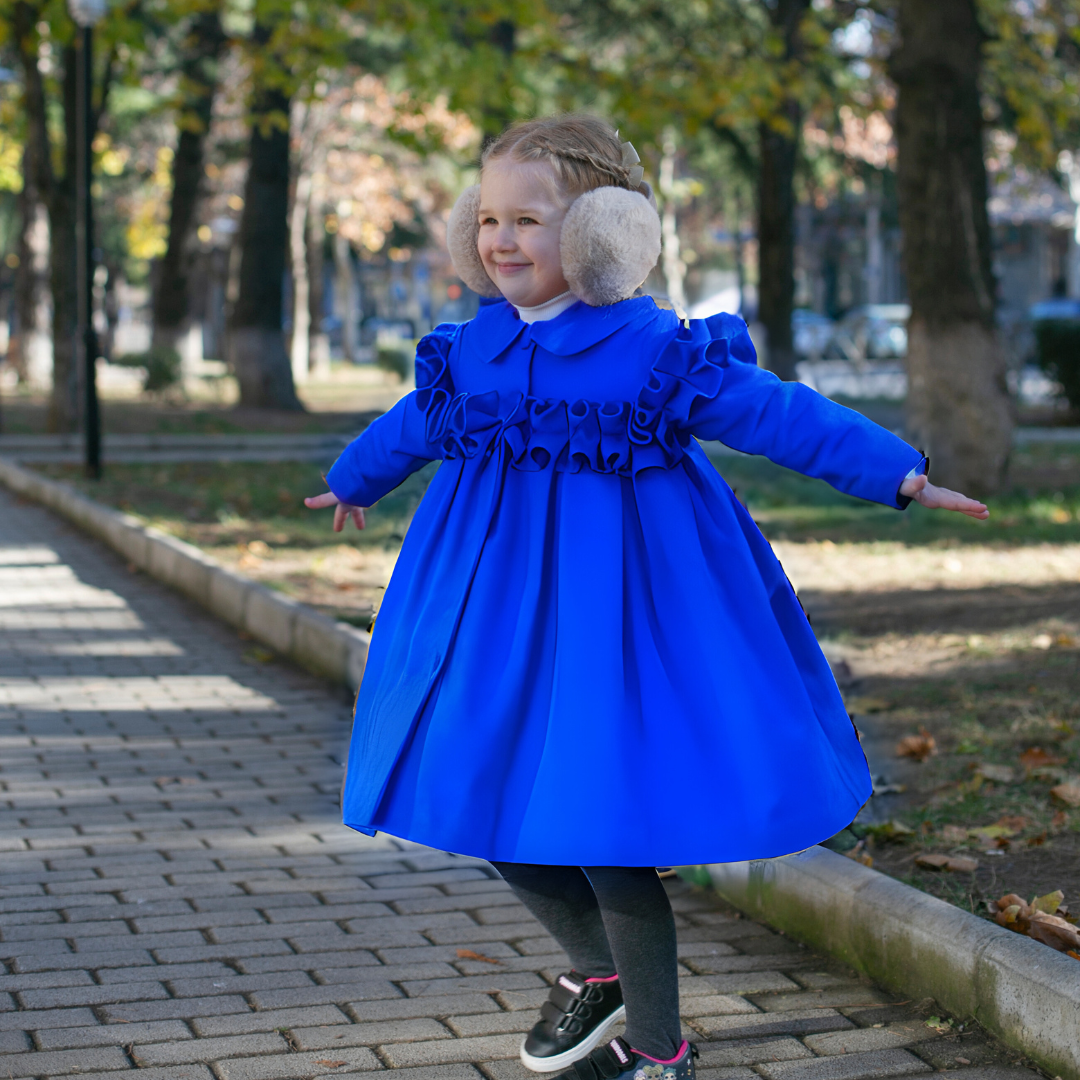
(177, 895)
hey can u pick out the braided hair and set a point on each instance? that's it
(584, 151)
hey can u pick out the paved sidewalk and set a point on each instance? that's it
(177, 895)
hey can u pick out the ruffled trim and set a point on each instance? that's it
(620, 437)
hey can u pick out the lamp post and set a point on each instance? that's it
(86, 13)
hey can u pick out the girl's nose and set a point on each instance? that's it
(504, 239)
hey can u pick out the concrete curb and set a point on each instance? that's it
(1023, 992)
(332, 649)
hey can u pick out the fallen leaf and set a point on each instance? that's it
(890, 830)
(1071, 952)
(919, 747)
(1049, 903)
(1068, 793)
(962, 1061)
(955, 863)
(468, 954)
(1037, 841)
(1054, 931)
(1059, 819)
(991, 832)
(999, 774)
(330, 1064)
(1067, 640)
(1036, 757)
(1012, 821)
(954, 834)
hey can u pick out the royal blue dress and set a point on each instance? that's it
(588, 653)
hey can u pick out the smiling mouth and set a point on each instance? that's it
(512, 268)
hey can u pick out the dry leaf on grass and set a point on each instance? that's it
(956, 863)
(1036, 757)
(998, 774)
(1067, 793)
(468, 954)
(919, 747)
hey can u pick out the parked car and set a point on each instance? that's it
(811, 332)
(871, 332)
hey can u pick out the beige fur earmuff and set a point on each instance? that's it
(610, 241)
(462, 234)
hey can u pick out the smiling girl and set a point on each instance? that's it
(588, 662)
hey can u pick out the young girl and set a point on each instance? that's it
(588, 662)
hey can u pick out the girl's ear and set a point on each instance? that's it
(462, 234)
(610, 241)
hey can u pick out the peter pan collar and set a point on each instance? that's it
(496, 327)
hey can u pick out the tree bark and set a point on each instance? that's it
(202, 49)
(776, 242)
(958, 408)
(256, 339)
(30, 350)
(63, 413)
(778, 155)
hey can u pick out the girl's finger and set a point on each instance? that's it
(341, 513)
(318, 502)
(358, 517)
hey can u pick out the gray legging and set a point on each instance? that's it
(612, 919)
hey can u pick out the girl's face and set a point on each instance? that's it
(520, 226)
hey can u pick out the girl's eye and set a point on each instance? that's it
(526, 221)
(488, 221)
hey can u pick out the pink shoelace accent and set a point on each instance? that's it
(609, 978)
(670, 1061)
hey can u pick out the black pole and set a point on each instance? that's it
(85, 255)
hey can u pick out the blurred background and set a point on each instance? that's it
(886, 192)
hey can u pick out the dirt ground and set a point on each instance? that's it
(978, 648)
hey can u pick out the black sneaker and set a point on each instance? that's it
(576, 1016)
(617, 1061)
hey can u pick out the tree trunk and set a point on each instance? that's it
(63, 413)
(674, 267)
(203, 46)
(778, 154)
(256, 341)
(345, 292)
(30, 351)
(958, 407)
(34, 347)
(319, 353)
(300, 348)
(776, 243)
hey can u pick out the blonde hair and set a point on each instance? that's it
(583, 151)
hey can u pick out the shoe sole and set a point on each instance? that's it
(568, 1057)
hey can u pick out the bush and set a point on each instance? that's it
(1058, 342)
(395, 358)
(162, 367)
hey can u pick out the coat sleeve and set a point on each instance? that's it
(386, 453)
(794, 426)
(400, 441)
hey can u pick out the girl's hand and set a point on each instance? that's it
(342, 511)
(937, 498)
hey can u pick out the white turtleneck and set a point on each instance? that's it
(548, 309)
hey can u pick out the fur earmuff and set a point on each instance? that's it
(610, 242)
(462, 234)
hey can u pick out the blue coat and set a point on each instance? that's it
(588, 653)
